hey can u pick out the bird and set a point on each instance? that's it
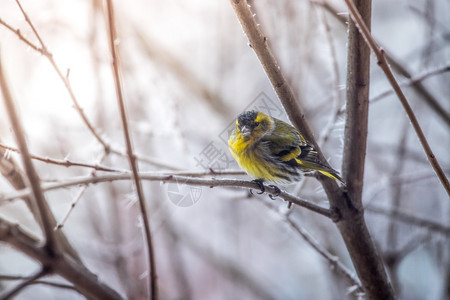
(270, 149)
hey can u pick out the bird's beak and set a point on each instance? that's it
(246, 132)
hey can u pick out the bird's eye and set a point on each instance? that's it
(256, 124)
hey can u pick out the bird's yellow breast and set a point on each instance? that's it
(250, 157)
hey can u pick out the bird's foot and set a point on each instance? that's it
(277, 192)
(260, 184)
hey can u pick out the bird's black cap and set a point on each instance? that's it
(247, 117)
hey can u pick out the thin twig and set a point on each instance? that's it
(77, 198)
(410, 219)
(106, 146)
(45, 214)
(199, 173)
(13, 173)
(21, 37)
(427, 97)
(236, 272)
(84, 281)
(132, 158)
(64, 79)
(65, 162)
(414, 243)
(436, 22)
(381, 185)
(396, 190)
(43, 282)
(337, 99)
(332, 260)
(180, 180)
(28, 281)
(379, 52)
(412, 81)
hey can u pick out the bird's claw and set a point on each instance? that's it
(260, 185)
(277, 192)
(263, 189)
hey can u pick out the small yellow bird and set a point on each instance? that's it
(270, 149)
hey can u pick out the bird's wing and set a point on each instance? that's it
(308, 153)
(284, 142)
(287, 145)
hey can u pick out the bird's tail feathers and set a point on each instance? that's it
(327, 171)
(333, 175)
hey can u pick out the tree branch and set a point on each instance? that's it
(28, 281)
(332, 260)
(16, 178)
(357, 109)
(427, 97)
(181, 180)
(83, 280)
(391, 78)
(64, 162)
(350, 218)
(397, 215)
(64, 79)
(80, 193)
(131, 156)
(107, 148)
(412, 81)
(45, 214)
(43, 282)
(368, 263)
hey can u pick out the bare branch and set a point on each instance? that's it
(379, 52)
(153, 289)
(106, 146)
(69, 163)
(80, 193)
(83, 280)
(332, 260)
(412, 81)
(337, 99)
(45, 214)
(28, 281)
(43, 282)
(357, 108)
(365, 257)
(21, 37)
(65, 163)
(418, 86)
(64, 79)
(181, 180)
(10, 169)
(397, 215)
(235, 272)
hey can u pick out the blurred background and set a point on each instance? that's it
(187, 72)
